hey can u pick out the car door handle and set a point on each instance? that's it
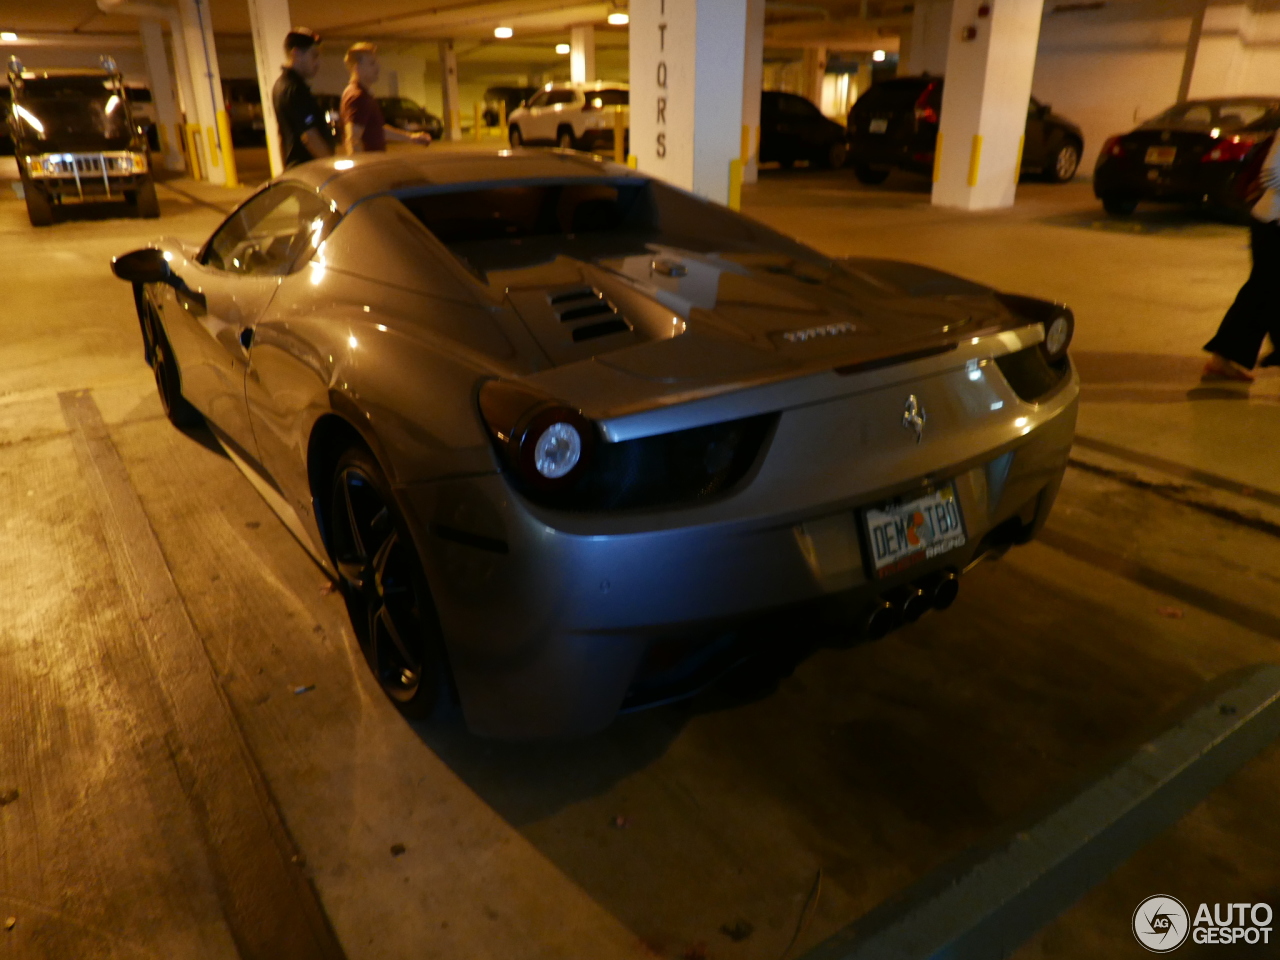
(246, 337)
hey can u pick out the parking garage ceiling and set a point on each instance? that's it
(855, 24)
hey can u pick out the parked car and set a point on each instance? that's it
(555, 426)
(403, 113)
(510, 97)
(76, 141)
(792, 128)
(143, 109)
(331, 105)
(895, 125)
(572, 116)
(243, 100)
(1192, 152)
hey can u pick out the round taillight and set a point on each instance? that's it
(1057, 336)
(557, 450)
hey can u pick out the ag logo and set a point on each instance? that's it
(1161, 924)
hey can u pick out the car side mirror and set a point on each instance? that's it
(142, 266)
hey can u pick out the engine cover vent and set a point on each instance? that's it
(591, 314)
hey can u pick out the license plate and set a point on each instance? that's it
(878, 125)
(1161, 155)
(900, 535)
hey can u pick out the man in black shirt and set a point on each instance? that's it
(304, 134)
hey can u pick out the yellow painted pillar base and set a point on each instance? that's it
(735, 183)
(619, 136)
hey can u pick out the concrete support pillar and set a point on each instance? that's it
(582, 54)
(990, 62)
(270, 21)
(211, 135)
(687, 66)
(926, 46)
(752, 84)
(161, 83)
(449, 91)
(815, 68)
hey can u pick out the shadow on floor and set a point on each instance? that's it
(1178, 220)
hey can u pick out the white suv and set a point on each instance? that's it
(577, 116)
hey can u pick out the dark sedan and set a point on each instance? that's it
(1192, 153)
(792, 128)
(403, 114)
(895, 125)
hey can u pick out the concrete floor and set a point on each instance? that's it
(696, 830)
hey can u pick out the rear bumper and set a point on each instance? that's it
(548, 618)
(1193, 182)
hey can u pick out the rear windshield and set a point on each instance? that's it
(608, 98)
(1205, 115)
(894, 96)
(510, 227)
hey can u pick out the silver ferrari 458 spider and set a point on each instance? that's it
(557, 427)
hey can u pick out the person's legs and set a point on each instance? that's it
(1256, 309)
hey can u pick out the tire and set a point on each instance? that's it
(564, 138)
(869, 175)
(837, 156)
(385, 589)
(786, 163)
(164, 366)
(39, 209)
(514, 137)
(1064, 164)
(1119, 206)
(146, 205)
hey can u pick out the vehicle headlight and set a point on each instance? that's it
(557, 451)
(36, 166)
(138, 162)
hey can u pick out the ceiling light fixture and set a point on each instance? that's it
(619, 19)
(878, 56)
(562, 48)
(8, 36)
(503, 33)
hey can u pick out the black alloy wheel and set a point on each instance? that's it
(385, 588)
(837, 155)
(869, 175)
(1119, 205)
(1065, 163)
(164, 366)
(513, 135)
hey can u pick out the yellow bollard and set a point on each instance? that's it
(191, 134)
(632, 162)
(479, 131)
(502, 121)
(937, 158)
(211, 142)
(228, 150)
(619, 136)
(735, 184)
(1017, 167)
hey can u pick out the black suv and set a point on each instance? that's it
(75, 141)
(895, 124)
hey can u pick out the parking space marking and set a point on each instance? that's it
(270, 906)
(1201, 477)
(1248, 617)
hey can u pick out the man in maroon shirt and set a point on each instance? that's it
(364, 129)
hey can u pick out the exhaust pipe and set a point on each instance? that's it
(914, 604)
(883, 619)
(942, 590)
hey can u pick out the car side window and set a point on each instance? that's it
(271, 234)
(561, 96)
(539, 99)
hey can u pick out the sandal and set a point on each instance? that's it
(1220, 368)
